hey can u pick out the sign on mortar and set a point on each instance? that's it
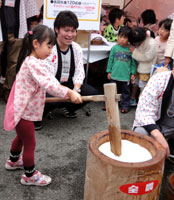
(139, 188)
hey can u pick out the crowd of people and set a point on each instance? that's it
(42, 62)
(147, 48)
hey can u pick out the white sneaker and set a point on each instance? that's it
(37, 179)
(9, 165)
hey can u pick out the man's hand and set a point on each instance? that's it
(0, 3)
(158, 136)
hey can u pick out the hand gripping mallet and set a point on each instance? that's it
(111, 99)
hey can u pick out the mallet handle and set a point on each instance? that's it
(95, 98)
(110, 91)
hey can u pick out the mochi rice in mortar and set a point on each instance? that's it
(131, 152)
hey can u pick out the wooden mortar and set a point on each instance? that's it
(108, 179)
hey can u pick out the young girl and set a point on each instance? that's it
(27, 99)
(145, 51)
(161, 39)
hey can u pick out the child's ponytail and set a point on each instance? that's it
(25, 50)
(39, 33)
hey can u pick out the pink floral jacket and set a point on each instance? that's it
(27, 97)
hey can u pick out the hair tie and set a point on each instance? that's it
(30, 32)
(148, 33)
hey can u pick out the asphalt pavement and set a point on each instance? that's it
(60, 153)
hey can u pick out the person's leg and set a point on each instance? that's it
(15, 160)
(13, 48)
(49, 106)
(125, 100)
(66, 108)
(25, 131)
(26, 136)
(1, 50)
(118, 85)
(88, 90)
(142, 85)
(134, 91)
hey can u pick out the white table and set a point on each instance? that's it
(97, 52)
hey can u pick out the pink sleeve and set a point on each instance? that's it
(46, 80)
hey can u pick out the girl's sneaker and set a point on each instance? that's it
(37, 179)
(14, 165)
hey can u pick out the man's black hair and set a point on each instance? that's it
(66, 18)
(148, 17)
(114, 14)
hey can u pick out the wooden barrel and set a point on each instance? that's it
(169, 190)
(108, 179)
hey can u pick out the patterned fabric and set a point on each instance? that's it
(27, 98)
(28, 8)
(109, 33)
(149, 105)
(144, 77)
(51, 63)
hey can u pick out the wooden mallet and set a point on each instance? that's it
(110, 91)
(111, 98)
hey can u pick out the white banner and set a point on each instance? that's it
(87, 11)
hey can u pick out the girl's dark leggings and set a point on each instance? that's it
(25, 139)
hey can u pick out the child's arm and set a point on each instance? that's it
(133, 70)
(43, 78)
(110, 63)
(133, 66)
(109, 76)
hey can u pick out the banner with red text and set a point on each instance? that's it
(87, 11)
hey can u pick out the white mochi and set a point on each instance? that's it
(131, 152)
